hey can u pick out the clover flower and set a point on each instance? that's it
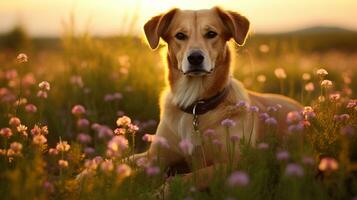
(152, 170)
(293, 169)
(78, 110)
(309, 87)
(63, 146)
(282, 155)
(238, 178)
(293, 117)
(186, 146)
(280, 73)
(39, 139)
(44, 86)
(328, 164)
(263, 146)
(234, 138)
(84, 138)
(228, 123)
(63, 163)
(22, 58)
(83, 123)
(306, 76)
(123, 170)
(123, 121)
(321, 72)
(6, 132)
(31, 108)
(209, 133)
(326, 83)
(261, 78)
(107, 165)
(271, 121)
(14, 121)
(335, 97)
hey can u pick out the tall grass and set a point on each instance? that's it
(93, 81)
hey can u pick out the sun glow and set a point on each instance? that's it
(43, 17)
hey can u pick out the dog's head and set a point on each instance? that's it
(197, 39)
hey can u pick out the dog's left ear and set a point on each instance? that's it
(157, 26)
(237, 25)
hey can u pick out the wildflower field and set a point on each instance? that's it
(84, 105)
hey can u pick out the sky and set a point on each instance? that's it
(108, 17)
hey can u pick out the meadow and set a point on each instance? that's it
(82, 103)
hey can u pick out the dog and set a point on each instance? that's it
(201, 92)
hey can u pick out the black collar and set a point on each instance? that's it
(202, 106)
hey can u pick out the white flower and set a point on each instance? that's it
(261, 78)
(306, 76)
(326, 83)
(321, 72)
(280, 73)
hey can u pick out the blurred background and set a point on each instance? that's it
(93, 53)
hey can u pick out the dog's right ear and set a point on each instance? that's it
(157, 26)
(237, 25)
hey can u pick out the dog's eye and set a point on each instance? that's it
(211, 34)
(180, 36)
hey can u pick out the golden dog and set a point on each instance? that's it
(201, 91)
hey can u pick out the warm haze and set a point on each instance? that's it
(43, 18)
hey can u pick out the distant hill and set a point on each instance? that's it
(317, 38)
(322, 30)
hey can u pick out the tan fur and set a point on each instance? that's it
(184, 90)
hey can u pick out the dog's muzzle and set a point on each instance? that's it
(196, 64)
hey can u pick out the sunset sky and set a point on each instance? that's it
(106, 17)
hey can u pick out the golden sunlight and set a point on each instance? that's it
(42, 17)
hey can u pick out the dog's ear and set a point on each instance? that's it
(157, 26)
(236, 24)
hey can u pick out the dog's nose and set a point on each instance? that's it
(195, 58)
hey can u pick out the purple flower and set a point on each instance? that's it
(209, 133)
(340, 118)
(254, 109)
(148, 138)
(293, 117)
(238, 178)
(296, 128)
(263, 146)
(282, 155)
(307, 160)
(347, 130)
(352, 103)
(161, 141)
(152, 171)
(186, 146)
(104, 131)
(308, 113)
(271, 121)
(242, 106)
(228, 123)
(345, 117)
(83, 123)
(108, 97)
(293, 169)
(84, 138)
(235, 138)
(89, 150)
(263, 116)
(217, 142)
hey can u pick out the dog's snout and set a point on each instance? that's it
(195, 58)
